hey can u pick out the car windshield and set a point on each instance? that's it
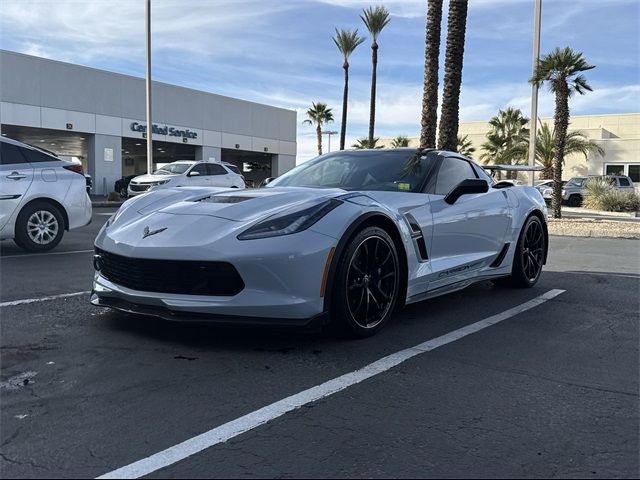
(173, 169)
(576, 182)
(391, 170)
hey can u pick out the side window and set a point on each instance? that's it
(624, 182)
(234, 169)
(34, 156)
(452, 172)
(11, 155)
(201, 168)
(215, 169)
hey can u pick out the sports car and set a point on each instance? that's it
(345, 239)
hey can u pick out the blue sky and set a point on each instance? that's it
(280, 52)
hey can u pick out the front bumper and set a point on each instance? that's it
(282, 278)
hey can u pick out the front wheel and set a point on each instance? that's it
(39, 227)
(367, 284)
(529, 256)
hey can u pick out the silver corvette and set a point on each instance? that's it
(344, 238)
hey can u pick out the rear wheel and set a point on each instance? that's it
(368, 279)
(39, 227)
(574, 201)
(529, 256)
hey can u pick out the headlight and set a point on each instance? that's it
(289, 222)
(161, 182)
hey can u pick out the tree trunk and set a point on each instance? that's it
(456, 26)
(345, 95)
(429, 118)
(372, 108)
(561, 123)
(319, 134)
(547, 173)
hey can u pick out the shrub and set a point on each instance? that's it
(600, 195)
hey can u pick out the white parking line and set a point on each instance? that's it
(41, 299)
(259, 417)
(44, 254)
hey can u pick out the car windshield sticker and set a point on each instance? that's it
(404, 186)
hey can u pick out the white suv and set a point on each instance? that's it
(188, 173)
(41, 196)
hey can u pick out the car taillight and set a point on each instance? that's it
(74, 168)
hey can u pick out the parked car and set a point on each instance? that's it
(41, 196)
(542, 185)
(346, 237)
(573, 190)
(188, 173)
(121, 185)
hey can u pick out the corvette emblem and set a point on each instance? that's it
(148, 233)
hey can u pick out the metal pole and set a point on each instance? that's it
(533, 124)
(147, 12)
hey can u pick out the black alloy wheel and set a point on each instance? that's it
(368, 283)
(529, 256)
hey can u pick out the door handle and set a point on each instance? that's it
(16, 176)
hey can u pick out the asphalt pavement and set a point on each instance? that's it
(548, 392)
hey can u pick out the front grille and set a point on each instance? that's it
(139, 187)
(170, 276)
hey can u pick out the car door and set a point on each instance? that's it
(219, 175)
(202, 179)
(16, 176)
(470, 233)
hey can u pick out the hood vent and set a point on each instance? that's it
(225, 199)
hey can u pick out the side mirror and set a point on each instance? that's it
(194, 174)
(267, 181)
(465, 187)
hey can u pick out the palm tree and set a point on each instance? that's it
(464, 146)
(456, 27)
(346, 41)
(429, 117)
(363, 143)
(319, 115)
(507, 139)
(375, 19)
(561, 69)
(576, 142)
(400, 141)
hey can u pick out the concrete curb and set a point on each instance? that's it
(102, 204)
(601, 212)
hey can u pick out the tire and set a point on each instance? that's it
(529, 256)
(123, 192)
(574, 201)
(368, 271)
(39, 227)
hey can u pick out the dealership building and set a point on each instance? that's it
(98, 118)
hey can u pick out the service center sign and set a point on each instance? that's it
(166, 130)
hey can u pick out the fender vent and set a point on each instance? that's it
(503, 253)
(416, 234)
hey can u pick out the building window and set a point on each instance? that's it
(631, 170)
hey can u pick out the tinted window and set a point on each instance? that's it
(452, 172)
(634, 173)
(201, 168)
(233, 168)
(35, 156)
(624, 182)
(390, 170)
(215, 169)
(10, 154)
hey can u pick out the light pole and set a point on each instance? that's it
(147, 13)
(328, 133)
(533, 124)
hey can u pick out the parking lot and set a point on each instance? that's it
(519, 389)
